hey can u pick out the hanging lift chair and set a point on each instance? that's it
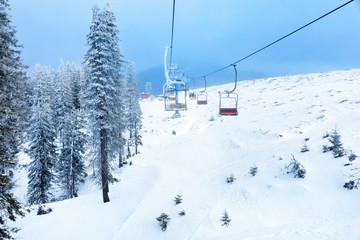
(202, 96)
(175, 97)
(229, 100)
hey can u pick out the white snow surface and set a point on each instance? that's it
(275, 116)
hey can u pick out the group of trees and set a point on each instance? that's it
(55, 133)
(12, 83)
(94, 109)
(64, 113)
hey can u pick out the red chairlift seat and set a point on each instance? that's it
(228, 104)
(228, 111)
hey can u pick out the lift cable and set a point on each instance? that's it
(172, 32)
(282, 38)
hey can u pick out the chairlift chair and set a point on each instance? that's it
(175, 97)
(202, 95)
(202, 98)
(229, 100)
(228, 104)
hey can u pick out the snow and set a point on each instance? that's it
(275, 117)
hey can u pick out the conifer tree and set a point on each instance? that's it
(70, 166)
(225, 219)
(336, 144)
(178, 199)
(102, 96)
(71, 169)
(42, 149)
(133, 110)
(12, 87)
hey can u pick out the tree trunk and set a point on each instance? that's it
(104, 166)
(128, 149)
(121, 150)
(136, 143)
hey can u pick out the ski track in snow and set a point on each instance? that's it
(275, 116)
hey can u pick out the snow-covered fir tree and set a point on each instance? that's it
(336, 144)
(12, 87)
(42, 149)
(133, 111)
(225, 219)
(102, 96)
(70, 165)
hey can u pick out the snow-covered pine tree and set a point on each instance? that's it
(42, 149)
(225, 219)
(133, 110)
(71, 168)
(70, 165)
(102, 96)
(336, 144)
(178, 199)
(163, 220)
(12, 86)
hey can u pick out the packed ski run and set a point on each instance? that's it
(194, 156)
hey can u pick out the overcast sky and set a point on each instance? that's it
(214, 32)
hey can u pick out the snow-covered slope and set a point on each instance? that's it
(275, 116)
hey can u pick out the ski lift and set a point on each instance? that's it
(202, 96)
(229, 100)
(175, 97)
(169, 93)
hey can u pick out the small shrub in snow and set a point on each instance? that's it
(253, 170)
(225, 219)
(173, 132)
(182, 213)
(306, 139)
(304, 148)
(163, 220)
(296, 168)
(212, 119)
(230, 179)
(336, 144)
(178, 199)
(42, 210)
(352, 184)
(352, 156)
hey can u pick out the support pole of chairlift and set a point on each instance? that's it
(177, 113)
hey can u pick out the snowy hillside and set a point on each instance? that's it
(276, 115)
